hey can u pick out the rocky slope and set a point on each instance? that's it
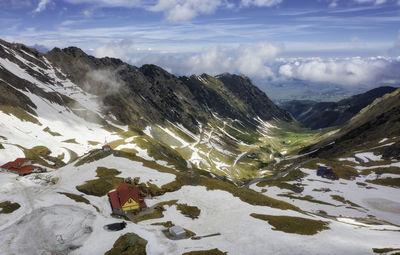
(380, 120)
(327, 114)
(211, 122)
(150, 94)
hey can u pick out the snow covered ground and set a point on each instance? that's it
(59, 119)
(367, 156)
(366, 198)
(62, 224)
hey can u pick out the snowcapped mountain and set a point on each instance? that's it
(256, 183)
(96, 100)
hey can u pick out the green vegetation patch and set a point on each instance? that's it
(161, 151)
(19, 113)
(129, 244)
(338, 168)
(391, 182)
(293, 225)
(39, 153)
(167, 224)
(78, 199)
(47, 129)
(384, 250)
(343, 200)
(7, 207)
(94, 155)
(189, 211)
(248, 136)
(101, 186)
(247, 195)
(306, 198)
(132, 131)
(129, 150)
(1, 147)
(282, 182)
(382, 170)
(154, 190)
(94, 143)
(114, 144)
(155, 212)
(160, 135)
(71, 141)
(150, 214)
(206, 252)
(146, 163)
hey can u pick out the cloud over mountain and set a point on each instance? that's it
(260, 61)
(249, 59)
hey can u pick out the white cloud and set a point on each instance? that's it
(249, 59)
(333, 4)
(42, 5)
(260, 3)
(371, 1)
(121, 49)
(346, 72)
(182, 10)
(260, 61)
(177, 10)
(252, 59)
(108, 3)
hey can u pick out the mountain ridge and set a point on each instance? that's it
(153, 81)
(212, 122)
(327, 114)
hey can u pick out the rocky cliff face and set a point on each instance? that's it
(151, 94)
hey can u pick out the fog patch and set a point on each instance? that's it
(103, 82)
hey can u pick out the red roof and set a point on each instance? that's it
(113, 196)
(123, 193)
(14, 164)
(23, 170)
(106, 146)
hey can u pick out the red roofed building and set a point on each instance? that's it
(126, 198)
(106, 147)
(22, 166)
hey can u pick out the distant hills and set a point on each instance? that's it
(327, 114)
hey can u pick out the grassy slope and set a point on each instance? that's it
(293, 225)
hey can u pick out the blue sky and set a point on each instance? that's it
(255, 37)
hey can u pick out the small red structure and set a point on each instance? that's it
(125, 199)
(22, 166)
(106, 147)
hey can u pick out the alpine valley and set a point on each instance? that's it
(213, 153)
